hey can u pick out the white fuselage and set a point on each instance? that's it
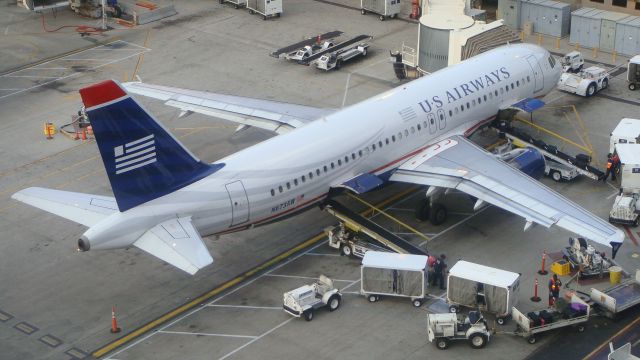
(293, 171)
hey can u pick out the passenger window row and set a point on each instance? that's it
(493, 93)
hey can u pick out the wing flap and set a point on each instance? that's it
(265, 114)
(177, 242)
(85, 209)
(457, 163)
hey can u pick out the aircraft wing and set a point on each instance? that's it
(274, 116)
(459, 164)
(85, 209)
(177, 242)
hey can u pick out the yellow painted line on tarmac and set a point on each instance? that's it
(558, 136)
(599, 348)
(235, 281)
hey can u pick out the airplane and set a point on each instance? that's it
(166, 199)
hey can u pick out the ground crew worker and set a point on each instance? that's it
(438, 272)
(554, 289)
(610, 169)
(615, 159)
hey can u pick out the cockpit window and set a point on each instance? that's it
(552, 61)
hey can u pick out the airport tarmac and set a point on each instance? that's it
(55, 303)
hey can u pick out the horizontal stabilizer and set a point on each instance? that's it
(85, 209)
(177, 242)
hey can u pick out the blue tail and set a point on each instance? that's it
(143, 160)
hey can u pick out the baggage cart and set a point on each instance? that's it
(482, 287)
(236, 3)
(266, 8)
(618, 298)
(391, 274)
(383, 8)
(528, 328)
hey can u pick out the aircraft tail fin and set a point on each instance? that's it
(142, 159)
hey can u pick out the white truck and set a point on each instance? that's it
(305, 300)
(392, 274)
(558, 171)
(626, 132)
(633, 72)
(443, 328)
(308, 50)
(586, 82)
(482, 287)
(572, 62)
(626, 207)
(334, 60)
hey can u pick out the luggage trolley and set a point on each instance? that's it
(266, 8)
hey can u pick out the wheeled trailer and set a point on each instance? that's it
(236, 3)
(266, 8)
(618, 298)
(528, 328)
(482, 287)
(391, 274)
(383, 8)
(586, 258)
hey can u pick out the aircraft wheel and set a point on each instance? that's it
(477, 340)
(591, 89)
(442, 343)
(438, 214)
(422, 210)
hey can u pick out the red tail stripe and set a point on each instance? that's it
(101, 93)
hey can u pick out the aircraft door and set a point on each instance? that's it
(442, 119)
(538, 74)
(431, 118)
(239, 202)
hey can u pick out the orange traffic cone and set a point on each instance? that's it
(114, 322)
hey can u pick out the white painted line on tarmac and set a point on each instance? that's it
(144, 338)
(453, 226)
(350, 285)
(31, 76)
(247, 307)
(256, 339)
(205, 334)
(306, 277)
(613, 194)
(321, 254)
(351, 292)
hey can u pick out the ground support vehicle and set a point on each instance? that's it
(309, 41)
(572, 62)
(444, 328)
(236, 3)
(618, 298)
(585, 83)
(633, 72)
(383, 8)
(391, 274)
(308, 50)
(266, 8)
(334, 60)
(626, 132)
(305, 300)
(482, 287)
(350, 243)
(584, 257)
(558, 171)
(626, 206)
(621, 353)
(576, 313)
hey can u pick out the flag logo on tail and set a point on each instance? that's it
(135, 154)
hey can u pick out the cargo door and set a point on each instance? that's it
(239, 202)
(538, 75)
